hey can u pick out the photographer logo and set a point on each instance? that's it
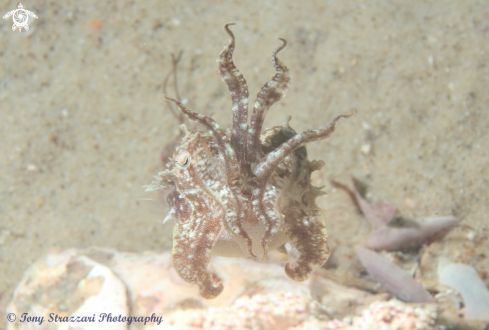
(20, 17)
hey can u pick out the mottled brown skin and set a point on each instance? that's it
(244, 191)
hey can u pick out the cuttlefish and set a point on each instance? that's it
(245, 191)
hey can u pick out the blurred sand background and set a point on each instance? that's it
(83, 118)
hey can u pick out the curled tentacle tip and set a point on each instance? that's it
(169, 98)
(289, 271)
(265, 253)
(228, 30)
(211, 293)
(353, 113)
(284, 44)
(295, 273)
(177, 102)
(250, 249)
(264, 245)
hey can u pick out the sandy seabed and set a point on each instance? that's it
(83, 119)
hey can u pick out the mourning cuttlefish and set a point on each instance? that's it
(244, 191)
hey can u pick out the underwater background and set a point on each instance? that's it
(84, 121)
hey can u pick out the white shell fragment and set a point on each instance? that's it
(66, 285)
(464, 279)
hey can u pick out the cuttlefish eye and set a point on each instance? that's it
(182, 161)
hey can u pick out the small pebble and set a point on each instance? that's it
(366, 148)
(33, 168)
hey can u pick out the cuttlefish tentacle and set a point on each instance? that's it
(306, 230)
(236, 207)
(194, 236)
(264, 198)
(239, 209)
(238, 89)
(263, 202)
(236, 204)
(192, 253)
(266, 210)
(269, 94)
(266, 166)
